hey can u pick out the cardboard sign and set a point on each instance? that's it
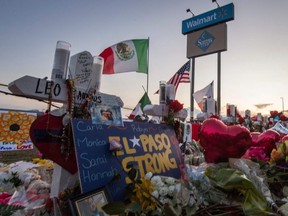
(14, 130)
(148, 147)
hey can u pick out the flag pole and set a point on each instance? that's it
(144, 89)
(192, 72)
(148, 64)
(219, 83)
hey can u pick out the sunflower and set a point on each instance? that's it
(143, 196)
(15, 126)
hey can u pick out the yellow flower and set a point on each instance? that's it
(43, 162)
(276, 155)
(143, 192)
(286, 146)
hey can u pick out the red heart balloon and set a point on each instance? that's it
(268, 140)
(284, 138)
(50, 145)
(254, 136)
(221, 142)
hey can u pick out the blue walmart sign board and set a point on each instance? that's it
(219, 15)
(149, 147)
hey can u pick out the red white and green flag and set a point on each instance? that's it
(126, 56)
(138, 110)
(205, 92)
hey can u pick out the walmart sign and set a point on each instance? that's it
(219, 15)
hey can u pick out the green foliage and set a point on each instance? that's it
(8, 210)
(15, 180)
(253, 202)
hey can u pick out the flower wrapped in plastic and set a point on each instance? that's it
(165, 195)
(156, 195)
(280, 154)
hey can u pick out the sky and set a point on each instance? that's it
(253, 69)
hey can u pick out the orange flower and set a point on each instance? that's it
(276, 155)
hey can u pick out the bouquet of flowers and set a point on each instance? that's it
(155, 195)
(280, 154)
(174, 107)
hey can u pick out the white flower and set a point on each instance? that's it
(148, 175)
(170, 181)
(171, 190)
(163, 191)
(164, 200)
(156, 181)
(155, 194)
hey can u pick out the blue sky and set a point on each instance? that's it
(254, 69)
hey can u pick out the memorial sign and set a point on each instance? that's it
(148, 147)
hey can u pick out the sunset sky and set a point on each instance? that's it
(254, 68)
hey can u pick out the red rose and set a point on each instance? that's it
(175, 106)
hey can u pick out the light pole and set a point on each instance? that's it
(282, 98)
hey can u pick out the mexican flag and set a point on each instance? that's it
(126, 56)
(138, 110)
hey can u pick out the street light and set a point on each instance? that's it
(282, 98)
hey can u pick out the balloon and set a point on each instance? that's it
(221, 142)
(284, 138)
(50, 146)
(267, 139)
(255, 136)
(274, 113)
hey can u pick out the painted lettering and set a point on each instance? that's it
(149, 144)
(91, 143)
(92, 162)
(95, 176)
(83, 127)
(156, 163)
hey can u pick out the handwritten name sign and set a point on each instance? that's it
(81, 69)
(148, 147)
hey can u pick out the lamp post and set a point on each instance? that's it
(282, 98)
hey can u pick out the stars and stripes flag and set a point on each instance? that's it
(181, 76)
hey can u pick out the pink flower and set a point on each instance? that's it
(256, 152)
(5, 197)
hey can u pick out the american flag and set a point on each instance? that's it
(181, 76)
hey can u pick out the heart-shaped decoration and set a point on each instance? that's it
(267, 139)
(221, 142)
(45, 133)
(284, 138)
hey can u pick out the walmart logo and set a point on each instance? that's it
(204, 41)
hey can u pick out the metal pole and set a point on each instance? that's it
(219, 84)
(192, 66)
(282, 104)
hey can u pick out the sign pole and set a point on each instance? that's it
(219, 83)
(192, 64)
